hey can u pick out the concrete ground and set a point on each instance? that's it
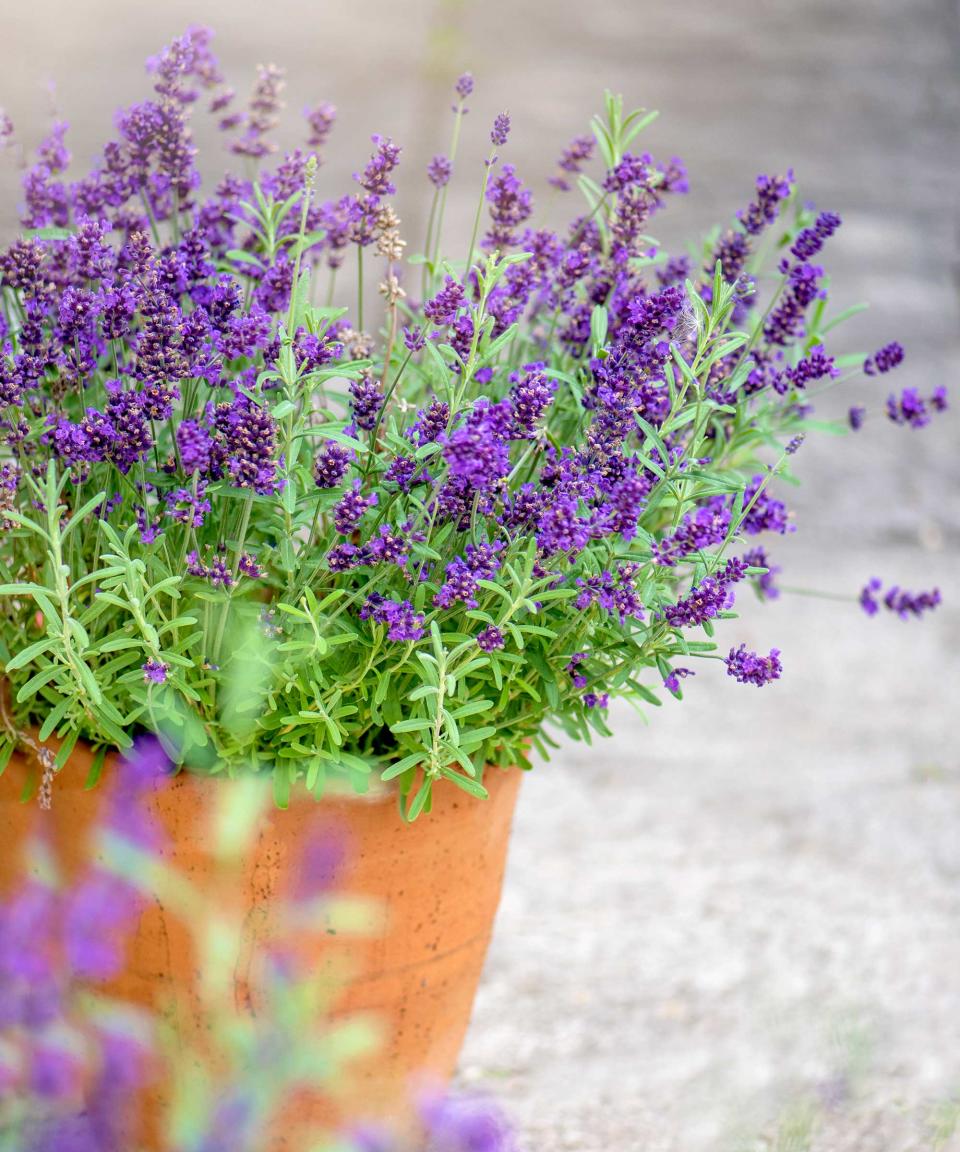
(753, 904)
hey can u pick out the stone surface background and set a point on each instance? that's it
(755, 901)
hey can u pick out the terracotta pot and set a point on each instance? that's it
(437, 883)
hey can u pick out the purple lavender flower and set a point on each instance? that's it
(479, 562)
(430, 424)
(771, 192)
(510, 206)
(375, 178)
(763, 583)
(596, 700)
(403, 624)
(856, 416)
(811, 240)
(500, 130)
(262, 114)
(572, 160)
(446, 305)
(767, 514)
(531, 395)
(464, 86)
(885, 360)
(465, 1125)
(155, 672)
(897, 600)
(248, 431)
(697, 530)
(186, 507)
(909, 408)
(707, 599)
(366, 402)
(349, 511)
(320, 121)
(786, 323)
(478, 451)
(439, 171)
(614, 593)
(752, 668)
(331, 464)
(672, 681)
(490, 639)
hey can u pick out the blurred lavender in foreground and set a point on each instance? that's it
(73, 1060)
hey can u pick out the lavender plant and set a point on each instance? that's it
(531, 483)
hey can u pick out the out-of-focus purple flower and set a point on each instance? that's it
(897, 600)
(463, 88)
(97, 911)
(908, 408)
(811, 240)
(771, 192)
(885, 360)
(500, 130)
(155, 672)
(465, 1124)
(572, 159)
(262, 114)
(320, 121)
(752, 668)
(764, 582)
(439, 171)
(856, 416)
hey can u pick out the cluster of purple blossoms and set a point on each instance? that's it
(490, 639)
(707, 599)
(366, 402)
(439, 171)
(215, 569)
(810, 241)
(577, 153)
(351, 507)
(510, 206)
(885, 360)
(500, 130)
(331, 464)
(910, 407)
(897, 600)
(763, 582)
(752, 668)
(698, 530)
(672, 680)
(402, 623)
(771, 192)
(479, 562)
(155, 672)
(445, 307)
(614, 592)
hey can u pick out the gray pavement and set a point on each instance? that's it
(755, 901)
